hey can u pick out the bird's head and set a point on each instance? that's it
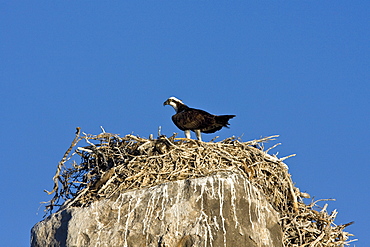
(174, 102)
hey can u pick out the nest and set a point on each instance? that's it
(111, 164)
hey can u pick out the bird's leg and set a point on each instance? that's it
(198, 134)
(187, 134)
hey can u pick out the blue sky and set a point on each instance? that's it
(299, 69)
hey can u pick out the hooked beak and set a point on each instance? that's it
(167, 102)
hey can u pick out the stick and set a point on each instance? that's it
(61, 163)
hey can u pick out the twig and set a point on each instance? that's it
(61, 163)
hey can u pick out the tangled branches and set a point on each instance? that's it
(111, 164)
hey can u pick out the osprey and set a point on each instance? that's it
(196, 120)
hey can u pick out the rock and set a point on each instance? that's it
(222, 209)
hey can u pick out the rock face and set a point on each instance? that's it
(223, 209)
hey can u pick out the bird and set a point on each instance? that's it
(189, 119)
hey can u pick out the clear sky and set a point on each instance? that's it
(299, 69)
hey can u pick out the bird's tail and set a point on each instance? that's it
(224, 119)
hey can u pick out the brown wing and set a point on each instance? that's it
(192, 119)
(220, 121)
